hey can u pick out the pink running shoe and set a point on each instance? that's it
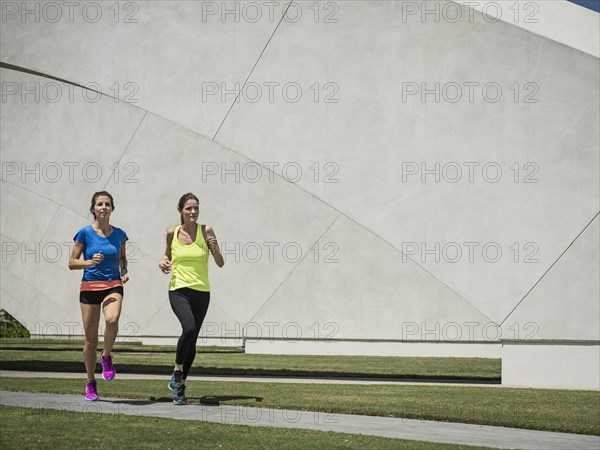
(108, 371)
(91, 394)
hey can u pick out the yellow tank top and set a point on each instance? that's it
(189, 263)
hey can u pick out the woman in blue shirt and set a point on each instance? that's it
(104, 267)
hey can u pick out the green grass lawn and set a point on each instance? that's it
(549, 410)
(61, 356)
(51, 429)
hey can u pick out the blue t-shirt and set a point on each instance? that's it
(108, 269)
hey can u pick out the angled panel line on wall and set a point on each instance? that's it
(251, 71)
(352, 220)
(42, 294)
(37, 73)
(550, 268)
(292, 271)
(566, 22)
(60, 205)
(237, 152)
(50, 223)
(39, 195)
(128, 144)
(15, 68)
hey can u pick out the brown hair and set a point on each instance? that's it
(184, 198)
(100, 194)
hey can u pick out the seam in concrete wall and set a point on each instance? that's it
(252, 70)
(549, 268)
(292, 271)
(128, 144)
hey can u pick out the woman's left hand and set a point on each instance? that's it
(124, 278)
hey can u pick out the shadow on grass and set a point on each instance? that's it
(216, 400)
(135, 402)
(76, 367)
(208, 400)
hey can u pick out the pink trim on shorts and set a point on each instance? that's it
(99, 285)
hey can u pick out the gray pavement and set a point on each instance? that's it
(398, 428)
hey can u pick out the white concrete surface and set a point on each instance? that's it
(559, 20)
(376, 348)
(152, 54)
(375, 149)
(551, 365)
(565, 299)
(399, 178)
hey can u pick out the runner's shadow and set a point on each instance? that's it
(134, 402)
(217, 399)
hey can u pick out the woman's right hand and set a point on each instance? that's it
(165, 266)
(96, 259)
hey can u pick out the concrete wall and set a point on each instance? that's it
(386, 174)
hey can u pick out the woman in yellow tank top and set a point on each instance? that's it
(186, 257)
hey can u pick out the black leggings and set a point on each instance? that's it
(190, 307)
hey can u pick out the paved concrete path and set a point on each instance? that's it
(420, 430)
